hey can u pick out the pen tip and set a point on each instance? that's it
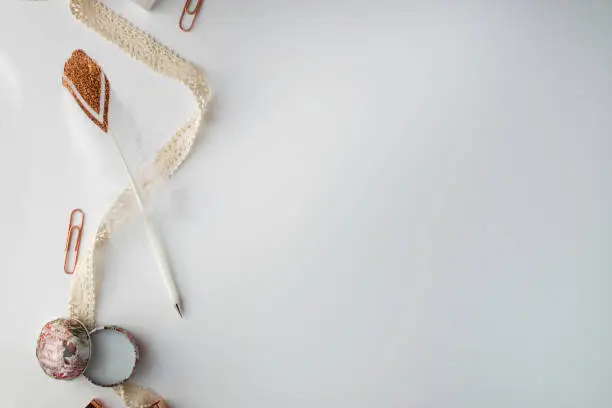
(179, 310)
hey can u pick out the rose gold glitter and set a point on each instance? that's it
(86, 76)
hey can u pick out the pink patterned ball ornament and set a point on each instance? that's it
(63, 349)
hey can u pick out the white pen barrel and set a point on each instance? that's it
(156, 244)
(162, 259)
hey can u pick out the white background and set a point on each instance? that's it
(394, 204)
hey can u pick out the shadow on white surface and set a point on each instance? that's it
(10, 92)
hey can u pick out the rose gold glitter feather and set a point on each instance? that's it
(89, 86)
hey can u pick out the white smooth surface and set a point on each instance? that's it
(395, 204)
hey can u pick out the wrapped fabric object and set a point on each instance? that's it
(63, 349)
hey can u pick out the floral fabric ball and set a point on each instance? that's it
(63, 349)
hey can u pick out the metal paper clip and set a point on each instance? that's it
(94, 403)
(72, 229)
(189, 11)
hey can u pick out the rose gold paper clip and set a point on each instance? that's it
(95, 403)
(192, 12)
(72, 228)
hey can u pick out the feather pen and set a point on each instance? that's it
(89, 86)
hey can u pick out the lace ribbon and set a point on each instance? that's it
(165, 61)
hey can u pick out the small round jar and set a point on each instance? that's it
(129, 355)
(67, 350)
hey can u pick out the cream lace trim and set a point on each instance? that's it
(165, 61)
